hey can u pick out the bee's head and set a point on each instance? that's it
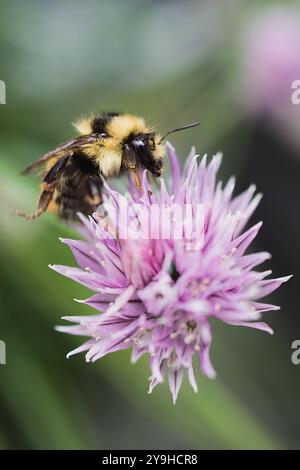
(141, 148)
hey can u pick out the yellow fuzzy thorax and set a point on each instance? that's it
(119, 127)
(84, 125)
(122, 126)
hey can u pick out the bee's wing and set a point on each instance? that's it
(60, 151)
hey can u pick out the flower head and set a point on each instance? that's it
(270, 60)
(163, 264)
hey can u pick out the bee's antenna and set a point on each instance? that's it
(188, 126)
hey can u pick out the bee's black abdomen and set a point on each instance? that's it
(80, 188)
(83, 164)
(85, 199)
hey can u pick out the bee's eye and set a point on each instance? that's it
(139, 142)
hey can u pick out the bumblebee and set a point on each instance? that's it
(108, 145)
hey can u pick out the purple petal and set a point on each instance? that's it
(84, 347)
(269, 285)
(175, 380)
(175, 168)
(192, 380)
(87, 278)
(243, 241)
(84, 255)
(258, 325)
(205, 362)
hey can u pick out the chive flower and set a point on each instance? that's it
(162, 264)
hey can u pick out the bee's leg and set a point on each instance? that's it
(48, 186)
(130, 160)
(135, 176)
(43, 203)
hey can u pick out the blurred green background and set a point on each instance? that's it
(222, 63)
